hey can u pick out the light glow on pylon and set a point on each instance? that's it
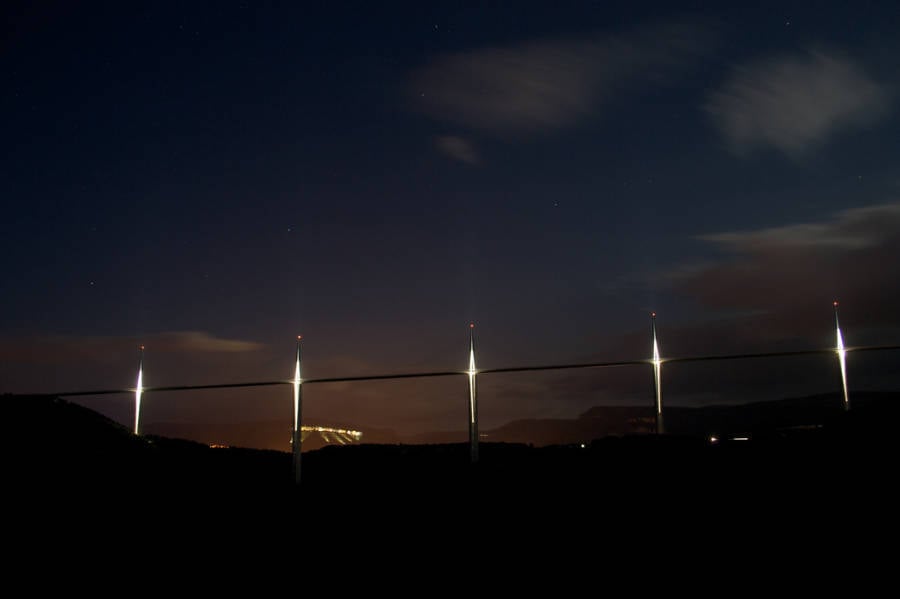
(297, 382)
(842, 356)
(138, 392)
(657, 366)
(472, 372)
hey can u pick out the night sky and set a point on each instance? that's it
(211, 179)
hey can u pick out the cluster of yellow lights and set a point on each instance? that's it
(337, 431)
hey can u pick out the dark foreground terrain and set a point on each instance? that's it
(63, 461)
(83, 494)
(49, 443)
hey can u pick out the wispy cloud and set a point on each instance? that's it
(73, 362)
(852, 229)
(795, 103)
(199, 341)
(791, 273)
(547, 84)
(60, 348)
(457, 148)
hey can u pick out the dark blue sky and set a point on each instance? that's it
(212, 179)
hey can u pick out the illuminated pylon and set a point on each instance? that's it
(297, 434)
(842, 356)
(473, 397)
(657, 376)
(138, 391)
